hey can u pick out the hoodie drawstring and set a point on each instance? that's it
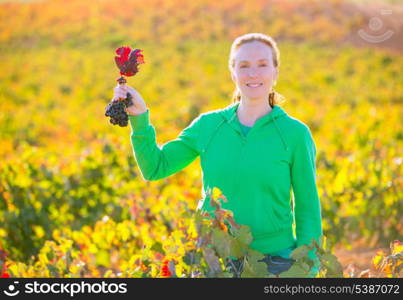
(280, 134)
(211, 136)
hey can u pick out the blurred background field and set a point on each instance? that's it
(67, 175)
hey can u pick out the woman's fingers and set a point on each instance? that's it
(131, 90)
(125, 89)
(119, 95)
(121, 87)
(138, 105)
(120, 92)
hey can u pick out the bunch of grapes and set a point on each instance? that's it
(116, 110)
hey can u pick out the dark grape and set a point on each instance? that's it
(116, 111)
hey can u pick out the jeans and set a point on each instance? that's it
(275, 265)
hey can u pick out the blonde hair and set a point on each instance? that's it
(273, 97)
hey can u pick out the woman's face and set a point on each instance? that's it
(254, 72)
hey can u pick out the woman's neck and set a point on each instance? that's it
(250, 111)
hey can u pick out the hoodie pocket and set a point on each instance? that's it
(270, 215)
(282, 216)
(265, 222)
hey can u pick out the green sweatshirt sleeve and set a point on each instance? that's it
(159, 162)
(308, 217)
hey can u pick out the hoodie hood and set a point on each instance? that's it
(229, 116)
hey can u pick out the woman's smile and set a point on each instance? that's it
(254, 85)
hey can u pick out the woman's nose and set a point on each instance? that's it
(252, 72)
(252, 75)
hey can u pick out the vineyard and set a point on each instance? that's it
(73, 202)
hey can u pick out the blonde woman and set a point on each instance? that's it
(252, 150)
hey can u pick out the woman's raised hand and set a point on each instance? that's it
(138, 107)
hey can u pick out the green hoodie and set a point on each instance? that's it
(255, 171)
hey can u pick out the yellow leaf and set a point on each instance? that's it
(216, 193)
(380, 254)
(396, 247)
(38, 230)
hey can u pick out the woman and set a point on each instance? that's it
(252, 150)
